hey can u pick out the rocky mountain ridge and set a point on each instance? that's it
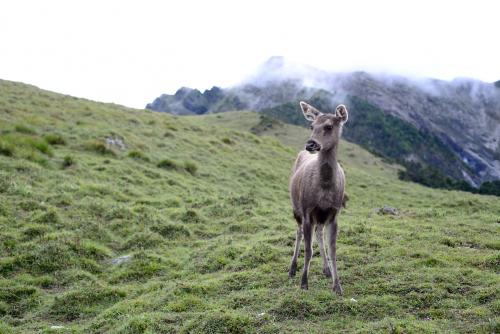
(463, 115)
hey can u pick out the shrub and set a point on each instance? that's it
(21, 128)
(190, 167)
(490, 188)
(191, 216)
(168, 164)
(100, 147)
(55, 139)
(40, 145)
(227, 140)
(431, 177)
(264, 124)
(68, 161)
(139, 155)
(6, 149)
(3, 209)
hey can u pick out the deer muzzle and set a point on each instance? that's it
(312, 146)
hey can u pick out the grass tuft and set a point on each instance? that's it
(99, 146)
(168, 164)
(138, 155)
(191, 167)
(49, 217)
(54, 139)
(84, 302)
(21, 128)
(220, 322)
(6, 148)
(40, 144)
(18, 299)
(171, 231)
(227, 140)
(68, 161)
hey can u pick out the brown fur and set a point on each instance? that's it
(317, 190)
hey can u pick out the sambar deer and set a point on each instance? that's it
(317, 191)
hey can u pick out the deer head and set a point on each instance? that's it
(326, 128)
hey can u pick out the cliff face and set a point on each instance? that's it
(461, 118)
(464, 114)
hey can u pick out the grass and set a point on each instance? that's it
(54, 139)
(138, 155)
(99, 146)
(205, 244)
(68, 161)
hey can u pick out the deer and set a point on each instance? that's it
(317, 193)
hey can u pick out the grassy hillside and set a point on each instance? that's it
(426, 158)
(187, 227)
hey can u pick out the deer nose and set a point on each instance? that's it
(312, 146)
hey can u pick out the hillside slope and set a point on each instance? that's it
(182, 225)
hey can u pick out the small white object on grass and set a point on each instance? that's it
(354, 300)
(121, 259)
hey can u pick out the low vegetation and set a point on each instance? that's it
(426, 159)
(101, 242)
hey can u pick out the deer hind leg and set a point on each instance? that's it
(307, 229)
(296, 251)
(319, 237)
(332, 239)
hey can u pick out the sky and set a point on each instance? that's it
(129, 52)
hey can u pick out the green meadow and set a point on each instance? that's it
(184, 225)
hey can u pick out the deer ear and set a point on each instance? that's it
(341, 113)
(310, 113)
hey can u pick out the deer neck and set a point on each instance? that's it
(327, 163)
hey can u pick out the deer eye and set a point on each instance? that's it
(328, 127)
(311, 127)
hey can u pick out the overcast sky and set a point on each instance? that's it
(129, 52)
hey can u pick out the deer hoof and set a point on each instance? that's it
(327, 272)
(293, 270)
(338, 289)
(305, 282)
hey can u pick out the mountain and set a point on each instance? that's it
(458, 121)
(117, 220)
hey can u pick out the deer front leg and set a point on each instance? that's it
(298, 240)
(307, 230)
(320, 239)
(332, 238)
